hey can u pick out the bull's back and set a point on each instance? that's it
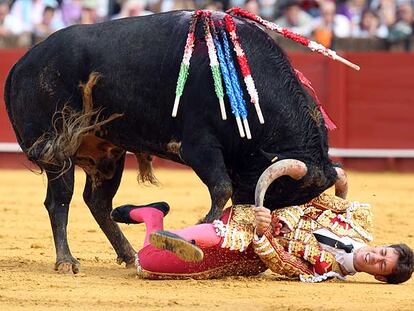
(137, 59)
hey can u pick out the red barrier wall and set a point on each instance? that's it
(373, 108)
(7, 60)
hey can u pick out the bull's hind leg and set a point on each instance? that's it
(98, 197)
(59, 195)
(206, 159)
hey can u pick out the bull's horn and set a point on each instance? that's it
(341, 184)
(293, 168)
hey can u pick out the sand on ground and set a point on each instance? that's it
(27, 255)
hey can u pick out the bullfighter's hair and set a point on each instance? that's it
(53, 151)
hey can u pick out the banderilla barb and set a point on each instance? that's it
(314, 46)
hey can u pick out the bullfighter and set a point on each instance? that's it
(325, 238)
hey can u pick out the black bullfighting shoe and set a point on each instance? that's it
(122, 213)
(183, 249)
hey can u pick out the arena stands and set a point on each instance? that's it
(26, 22)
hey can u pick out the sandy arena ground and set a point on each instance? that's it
(27, 255)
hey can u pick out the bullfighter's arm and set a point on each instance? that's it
(277, 259)
(320, 260)
(317, 266)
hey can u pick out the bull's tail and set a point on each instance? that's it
(55, 148)
(146, 172)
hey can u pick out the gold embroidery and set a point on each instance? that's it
(336, 267)
(331, 261)
(280, 261)
(331, 202)
(362, 218)
(357, 216)
(354, 230)
(240, 228)
(290, 215)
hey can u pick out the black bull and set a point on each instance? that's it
(138, 61)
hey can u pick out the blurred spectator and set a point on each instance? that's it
(71, 11)
(312, 7)
(221, 4)
(48, 24)
(114, 7)
(267, 10)
(330, 25)
(324, 19)
(403, 28)
(237, 3)
(132, 8)
(102, 9)
(153, 5)
(370, 26)
(295, 18)
(89, 14)
(30, 12)
(184, 5)
(170, 5)
(166, 5)
(9, 24)
(353, 10)
(213, 6)
(252, 6)
(387, 10)
(405, 13)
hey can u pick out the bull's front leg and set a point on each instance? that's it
(207, 161)
(99, 200)
(220, 192)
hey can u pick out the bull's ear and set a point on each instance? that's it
(272, 157)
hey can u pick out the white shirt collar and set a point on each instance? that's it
(346, 260)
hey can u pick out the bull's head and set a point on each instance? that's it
(296, 170)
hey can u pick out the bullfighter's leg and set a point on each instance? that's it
(99, 201)
(190, 252)
(151, 214)
(58, 197)
(207, 161)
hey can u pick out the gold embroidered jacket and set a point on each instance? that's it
(295, 252)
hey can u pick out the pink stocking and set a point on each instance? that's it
(152, 217)
(204, 235)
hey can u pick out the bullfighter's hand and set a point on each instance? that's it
(277, 225)
(263, 219)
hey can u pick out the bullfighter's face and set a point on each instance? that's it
(379, 261)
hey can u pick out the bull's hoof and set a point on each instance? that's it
(130, 264)
(67, 266)
(129, 261)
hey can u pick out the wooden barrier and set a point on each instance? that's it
(373, 108)
(7, 58)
